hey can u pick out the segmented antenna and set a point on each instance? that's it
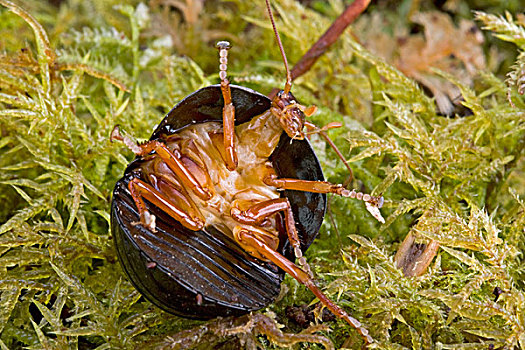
(288, 85)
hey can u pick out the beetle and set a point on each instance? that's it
(222, 199)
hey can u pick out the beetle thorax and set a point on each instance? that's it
(242, 187)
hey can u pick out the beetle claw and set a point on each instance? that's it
(147, 220)
(115, 134)
(374, 211)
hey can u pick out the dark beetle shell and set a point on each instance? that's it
(206, 274)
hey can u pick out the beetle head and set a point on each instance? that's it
(291, 114)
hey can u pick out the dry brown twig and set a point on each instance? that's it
(329, 37)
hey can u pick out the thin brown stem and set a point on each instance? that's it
(329, 37)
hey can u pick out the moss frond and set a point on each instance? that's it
(69, 74)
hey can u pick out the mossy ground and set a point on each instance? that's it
(70, 70)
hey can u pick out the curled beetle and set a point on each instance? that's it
(221, 201)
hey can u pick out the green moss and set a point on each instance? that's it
(69, 73)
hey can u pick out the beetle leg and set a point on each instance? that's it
(373, 204)
(314, 129)
(228, 111)
(172, 158)
(249, 238)
(256, 214)
(140, 190)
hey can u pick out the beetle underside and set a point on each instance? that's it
(197, 178)
(205, 273)
(200, 150)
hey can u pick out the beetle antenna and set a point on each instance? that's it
(288, 85)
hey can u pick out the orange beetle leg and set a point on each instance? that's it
(250, 239)
(373, 204)
(171, 158)
(256, 214)
(141, 190)
(228, 112)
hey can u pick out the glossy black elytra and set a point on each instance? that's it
(210, 214)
